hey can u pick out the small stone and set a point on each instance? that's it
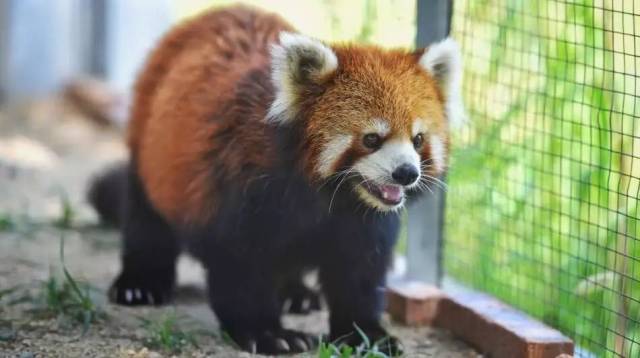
(26, 355)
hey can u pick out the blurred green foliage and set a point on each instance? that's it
(382, 22)
(544, 182)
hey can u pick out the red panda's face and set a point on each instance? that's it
(375, 120)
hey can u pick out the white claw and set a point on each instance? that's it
(301, 343)
(254, 347)
(286, 306)
(282, 344)
(138, 293)
(306, 303)
(128, 295)
(150, 298)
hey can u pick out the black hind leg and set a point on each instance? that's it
(297, 297)
(149, 253)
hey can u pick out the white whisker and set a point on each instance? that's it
(337, 187)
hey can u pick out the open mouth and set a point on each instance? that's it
(388, 194)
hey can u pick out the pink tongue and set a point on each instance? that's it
(391, 192)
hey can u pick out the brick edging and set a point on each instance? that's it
(491, 326)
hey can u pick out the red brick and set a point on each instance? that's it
(413, 303)
(499, 330)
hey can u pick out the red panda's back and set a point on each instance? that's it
(190, 77)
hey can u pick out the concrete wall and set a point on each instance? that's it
(44, 43)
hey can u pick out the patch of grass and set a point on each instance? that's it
(6, 222)
(67, 215)
(226, 338)
(23, 224)
(8, 291)
(165, 334)
(20, 223)
(367, 349)
(69, 297)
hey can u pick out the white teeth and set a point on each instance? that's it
(385, 195)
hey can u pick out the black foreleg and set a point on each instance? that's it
(149, 253)
(353, 280)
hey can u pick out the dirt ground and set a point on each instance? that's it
(47, 154)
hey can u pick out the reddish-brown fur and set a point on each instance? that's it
(176, 143)
(187, 79)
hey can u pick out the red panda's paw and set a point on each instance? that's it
(376, 339)
(272, 342)
(297, 298)
(128, 291)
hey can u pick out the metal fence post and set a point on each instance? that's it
(426, 216)
(4, 47)
(38, 47)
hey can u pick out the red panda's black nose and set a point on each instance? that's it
(405, 174)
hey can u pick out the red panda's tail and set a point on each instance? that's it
(107, 194)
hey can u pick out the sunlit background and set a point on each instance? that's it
(47, 43)
(542, 206)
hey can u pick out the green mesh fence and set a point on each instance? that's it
(542, 208)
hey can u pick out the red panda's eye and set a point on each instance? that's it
(372, 141)
(418, 140)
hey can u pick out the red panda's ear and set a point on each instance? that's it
(297, 64)
(443, 61)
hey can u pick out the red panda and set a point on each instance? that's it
(267, 153)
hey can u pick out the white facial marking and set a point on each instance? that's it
(331, 153)
(379, 165)
(419, 126)
(437, 153)
(379, 126)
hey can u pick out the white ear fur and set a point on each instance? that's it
(296, 61)
(443, 61)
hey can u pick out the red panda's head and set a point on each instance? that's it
(374, 119)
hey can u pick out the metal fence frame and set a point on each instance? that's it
(426, 216)
(559, 239)
(4, 46)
